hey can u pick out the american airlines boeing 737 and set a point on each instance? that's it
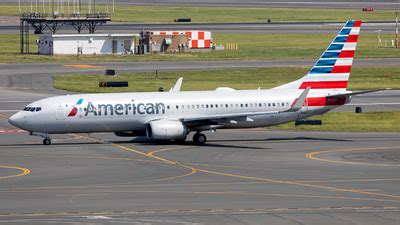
(173, 115)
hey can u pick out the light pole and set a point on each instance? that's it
(378, 32)
(397, 31)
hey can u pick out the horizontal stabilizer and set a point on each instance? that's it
(349, 94)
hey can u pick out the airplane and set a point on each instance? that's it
(171, 116)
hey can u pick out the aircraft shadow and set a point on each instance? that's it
(52, 144)
(211, 143)
(282, 139)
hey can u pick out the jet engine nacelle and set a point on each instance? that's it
(165, 130)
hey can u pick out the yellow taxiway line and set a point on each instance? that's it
(24, 172)
(312, 156)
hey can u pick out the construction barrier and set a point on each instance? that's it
(232, 46)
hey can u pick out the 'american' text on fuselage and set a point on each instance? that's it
(125, 109)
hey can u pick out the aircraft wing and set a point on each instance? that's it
(235, 117)
(228, 117)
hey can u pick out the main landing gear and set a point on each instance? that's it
(199, 138)
(47, 141)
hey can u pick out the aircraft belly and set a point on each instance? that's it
(104, 125)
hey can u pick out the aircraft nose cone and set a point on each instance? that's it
(17, 120)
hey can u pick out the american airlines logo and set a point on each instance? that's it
(74, 110)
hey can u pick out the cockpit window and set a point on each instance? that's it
(32, 109)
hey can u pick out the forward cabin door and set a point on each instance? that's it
(60, 114)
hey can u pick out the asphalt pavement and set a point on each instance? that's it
(251, 176)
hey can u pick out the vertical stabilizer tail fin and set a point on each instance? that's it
(332, 70)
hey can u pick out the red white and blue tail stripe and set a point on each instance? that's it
(332, 70)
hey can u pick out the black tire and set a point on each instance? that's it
(47, 141)
(199, 139)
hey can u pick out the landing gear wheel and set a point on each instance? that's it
(199, 139)
(47, 141)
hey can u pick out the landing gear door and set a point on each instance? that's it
(60, 114)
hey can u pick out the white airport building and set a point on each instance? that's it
(86, 44)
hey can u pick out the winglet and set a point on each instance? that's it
(177, 86)
(298, 103)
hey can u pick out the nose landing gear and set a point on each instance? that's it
(47, 141)
(199, 138)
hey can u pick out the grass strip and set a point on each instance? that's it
(362, 78)
(251, 47)
(351, 122)
(167, 13)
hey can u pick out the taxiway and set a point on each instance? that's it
(239, 177)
